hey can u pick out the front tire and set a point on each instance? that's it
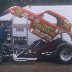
(64, 53)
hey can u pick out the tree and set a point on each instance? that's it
(4, 4)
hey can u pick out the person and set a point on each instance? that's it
(2, 31)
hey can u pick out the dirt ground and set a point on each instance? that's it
(47, 66)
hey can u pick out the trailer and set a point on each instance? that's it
(52, 40)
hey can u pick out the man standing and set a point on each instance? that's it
(2, 30)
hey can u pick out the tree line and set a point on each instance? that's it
(4, 4)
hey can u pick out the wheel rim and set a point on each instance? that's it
(66, 54)
(0, 57)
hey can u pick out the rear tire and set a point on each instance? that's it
(64, 53)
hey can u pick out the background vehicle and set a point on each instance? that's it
(52, 40)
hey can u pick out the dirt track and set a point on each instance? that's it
(35, 67)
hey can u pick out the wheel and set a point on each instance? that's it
(0, 57)
(64, 53)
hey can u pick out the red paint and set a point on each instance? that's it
(40, 26)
